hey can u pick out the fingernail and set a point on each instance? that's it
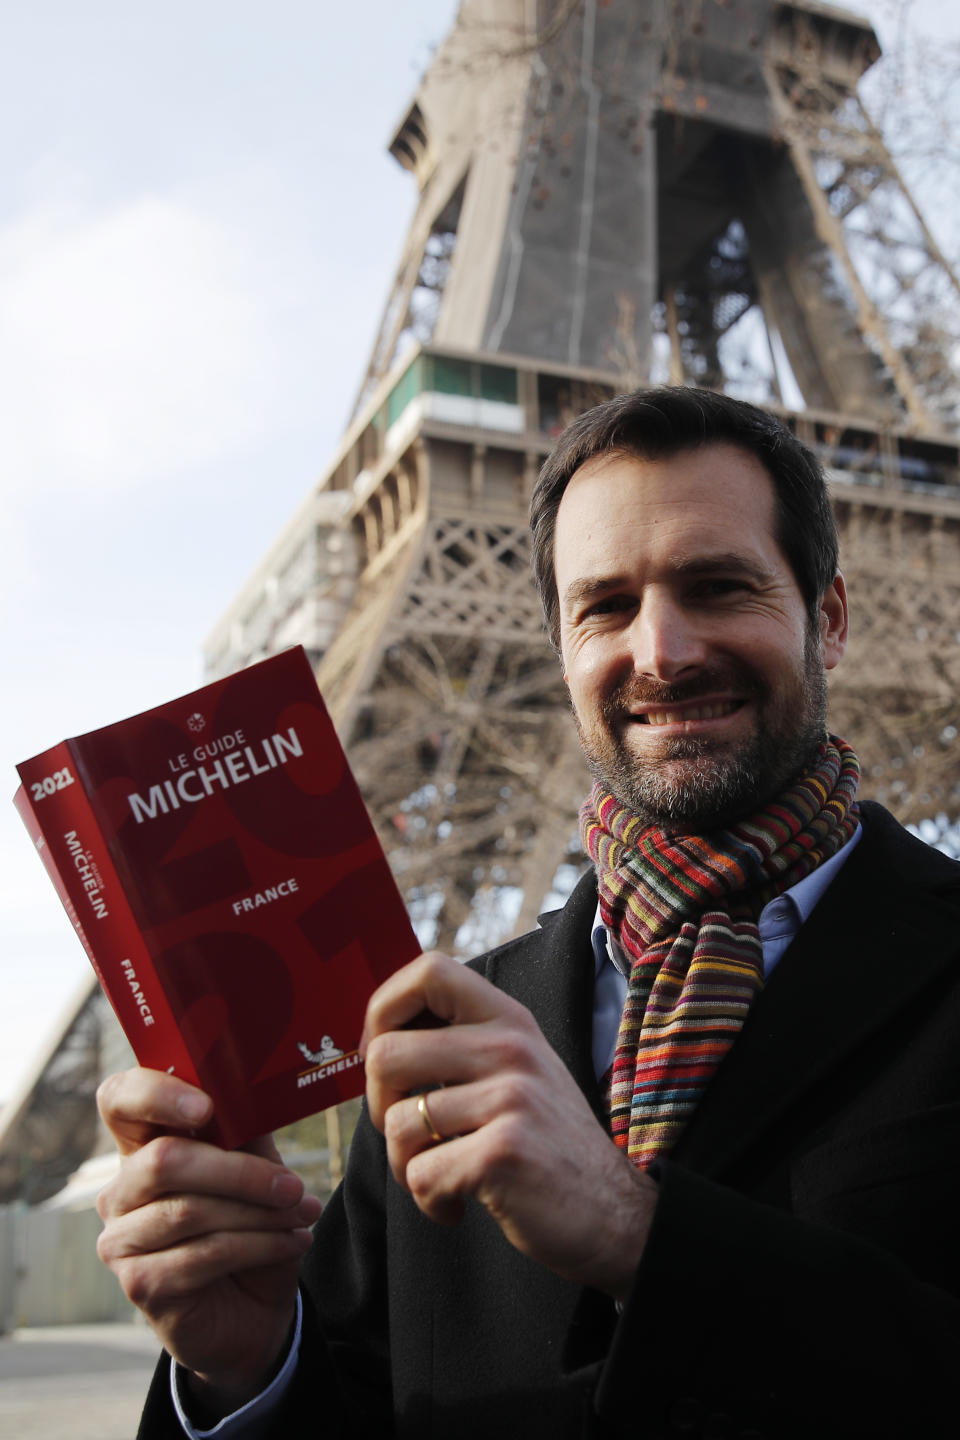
(304, 1237)
(309, 1210)
(286, 1188)
(193, 1108)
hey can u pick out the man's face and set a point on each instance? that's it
(695, 675)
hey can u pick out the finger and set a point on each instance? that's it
(174, 1165)
(411, 1127)
(178, 1218)
(499, 1163)
(436, 983)
(139, 1104)
(449, 1112)
(264, 1145)
(453, 1113)
(153, 1282)
(440, 1178)
(401, 1061)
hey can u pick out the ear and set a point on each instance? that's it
(834, 622)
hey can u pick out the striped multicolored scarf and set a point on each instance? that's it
(684, 910)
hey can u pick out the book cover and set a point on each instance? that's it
(217, 860)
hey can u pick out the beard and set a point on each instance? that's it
(700, 784)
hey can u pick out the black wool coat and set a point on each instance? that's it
(802, 1275)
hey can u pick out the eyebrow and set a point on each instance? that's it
(727, 562)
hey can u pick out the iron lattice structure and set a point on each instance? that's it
(613, 194)
(449, 696)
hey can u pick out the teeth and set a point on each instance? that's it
(691, 712)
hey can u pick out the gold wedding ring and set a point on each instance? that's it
(432, 1130)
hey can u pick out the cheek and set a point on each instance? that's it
(585, 670)
(771, 646)
(779, 669)
(589, 686)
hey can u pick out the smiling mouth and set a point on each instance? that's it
(716, 710)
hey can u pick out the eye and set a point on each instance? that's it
(719, 587)
(610, 605)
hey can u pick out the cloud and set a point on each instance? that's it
(135, 343)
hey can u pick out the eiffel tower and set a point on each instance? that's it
(610, 194)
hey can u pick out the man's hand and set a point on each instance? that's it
(206, 1242)
(519, 1135)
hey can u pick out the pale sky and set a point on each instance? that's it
(198, 227)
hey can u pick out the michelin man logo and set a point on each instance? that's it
(327, 1052)
(196, 723)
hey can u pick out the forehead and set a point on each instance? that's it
(714, 498)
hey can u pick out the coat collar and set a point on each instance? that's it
(886, 929)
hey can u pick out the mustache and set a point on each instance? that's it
(635, 693)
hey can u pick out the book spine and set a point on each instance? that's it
(25, 811)
(56, 810)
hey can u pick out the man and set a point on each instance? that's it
(683, 1161)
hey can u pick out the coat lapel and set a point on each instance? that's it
(551, 971)
(887, 928)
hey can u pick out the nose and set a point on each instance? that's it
(667, 642)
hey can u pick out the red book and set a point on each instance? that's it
(218, 863)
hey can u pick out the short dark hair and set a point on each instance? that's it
(651, 424)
